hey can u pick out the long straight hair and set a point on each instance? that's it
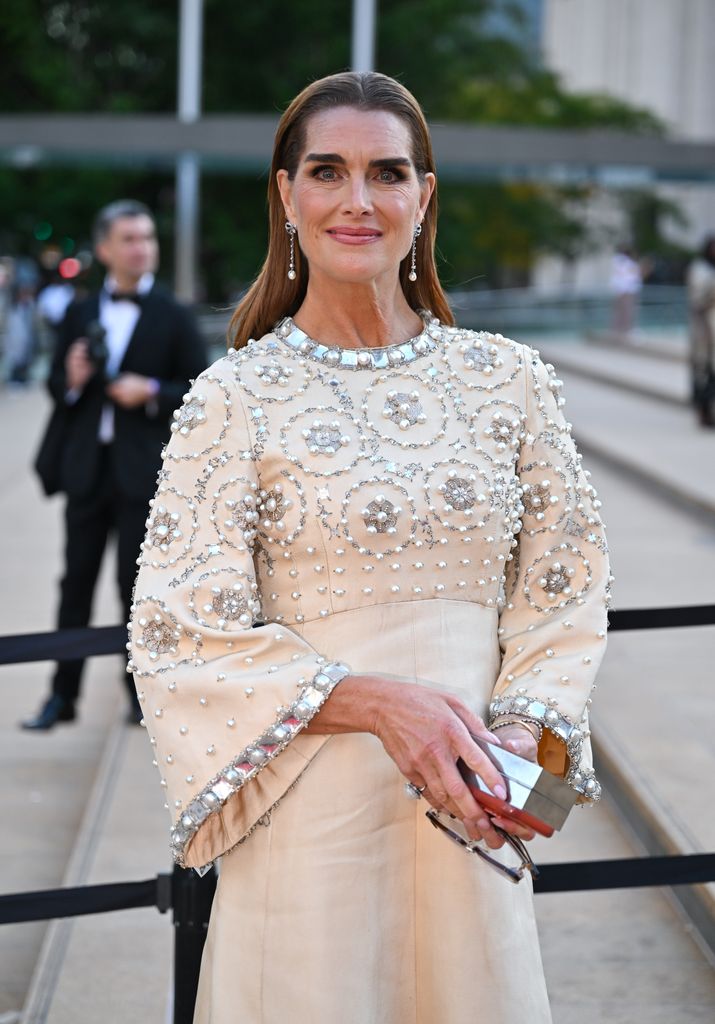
(272, 295)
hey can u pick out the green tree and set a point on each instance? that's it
(95, 55)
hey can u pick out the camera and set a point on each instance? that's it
(97, 347)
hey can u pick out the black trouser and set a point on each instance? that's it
(88, 523)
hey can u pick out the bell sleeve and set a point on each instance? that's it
(552, 627)
(225, 696)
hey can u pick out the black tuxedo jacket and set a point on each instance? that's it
(165, 345)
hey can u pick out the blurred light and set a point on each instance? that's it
(69, 267)
(25, 156)
(85, 258)
(67, 245)
(43, 231)
(50, 257)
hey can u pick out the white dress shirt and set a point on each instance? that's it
(119, 320)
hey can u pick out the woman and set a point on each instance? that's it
(354, 481)
(701, 298)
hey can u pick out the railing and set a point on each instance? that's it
(189, 897)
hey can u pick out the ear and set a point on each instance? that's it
(285, 187)
(426, 190)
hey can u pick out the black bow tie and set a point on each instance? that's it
(126, 297)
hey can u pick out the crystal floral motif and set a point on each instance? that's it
(273, 506)
(504, 431)
(325, 438)
(162, 529)
(536, 498)
(557, 580)
(273, 373)
(157, 636)
(404, 409)
(231, 605)
(458, 493)
(481, 356)
(242, 514)
(190, 415)
(380, 515)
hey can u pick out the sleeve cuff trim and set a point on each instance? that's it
(579, 778)
(253, 758)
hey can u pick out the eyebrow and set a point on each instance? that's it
(335, 158)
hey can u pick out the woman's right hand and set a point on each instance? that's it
(424, 731)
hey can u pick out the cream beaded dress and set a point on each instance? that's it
(418, 511)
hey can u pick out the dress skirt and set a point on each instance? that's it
(346, 904)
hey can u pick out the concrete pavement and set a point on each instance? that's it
(623, 956)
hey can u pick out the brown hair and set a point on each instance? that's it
(272, 295)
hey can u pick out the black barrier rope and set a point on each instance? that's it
(662, 618)
(94, 641)
(578, 876)
(44, 905)
(628, 873)
(63, 645)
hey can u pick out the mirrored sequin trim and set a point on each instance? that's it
(252, 759)
(579, 778)
(386, 358)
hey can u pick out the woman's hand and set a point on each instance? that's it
(424, 731)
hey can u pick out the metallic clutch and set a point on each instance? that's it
(535, 797)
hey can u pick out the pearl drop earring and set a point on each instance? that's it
(290, 228)
(413, 267)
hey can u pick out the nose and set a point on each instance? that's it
(358, 199)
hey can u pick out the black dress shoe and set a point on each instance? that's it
(55, 709)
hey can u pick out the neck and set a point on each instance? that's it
(372, 315)
(126, 282)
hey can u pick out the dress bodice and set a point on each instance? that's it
(304, 480)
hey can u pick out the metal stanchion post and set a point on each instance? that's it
(192, 898)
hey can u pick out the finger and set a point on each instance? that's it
(475, 725)
(524, 746)
(484, 831)
(514, 828)
(477, 760)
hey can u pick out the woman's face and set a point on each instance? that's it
(355, 198)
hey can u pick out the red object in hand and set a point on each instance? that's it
(502, 808)
(534, 797)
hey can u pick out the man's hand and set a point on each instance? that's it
(131, 390)
(78, 366)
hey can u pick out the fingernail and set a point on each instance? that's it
(500, 792)
(495, 739)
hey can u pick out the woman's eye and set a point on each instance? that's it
(325, 173)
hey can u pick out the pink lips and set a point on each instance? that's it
(354, 236)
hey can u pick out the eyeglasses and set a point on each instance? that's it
(514, 875)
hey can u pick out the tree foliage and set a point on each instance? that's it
(461, 60)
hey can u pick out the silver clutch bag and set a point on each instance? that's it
(534, 797)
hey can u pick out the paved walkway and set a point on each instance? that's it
(622, 957)
(626, 369)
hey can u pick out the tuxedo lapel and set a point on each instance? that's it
(143, 329)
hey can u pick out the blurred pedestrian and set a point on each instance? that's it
(53, 300)
(701, 301)
(21, 334)
(626, 284)
(124, 357)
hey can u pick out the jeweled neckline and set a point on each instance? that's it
(400, 354)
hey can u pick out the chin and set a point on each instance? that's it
(355, 272)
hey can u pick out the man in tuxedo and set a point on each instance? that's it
(123, 361)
